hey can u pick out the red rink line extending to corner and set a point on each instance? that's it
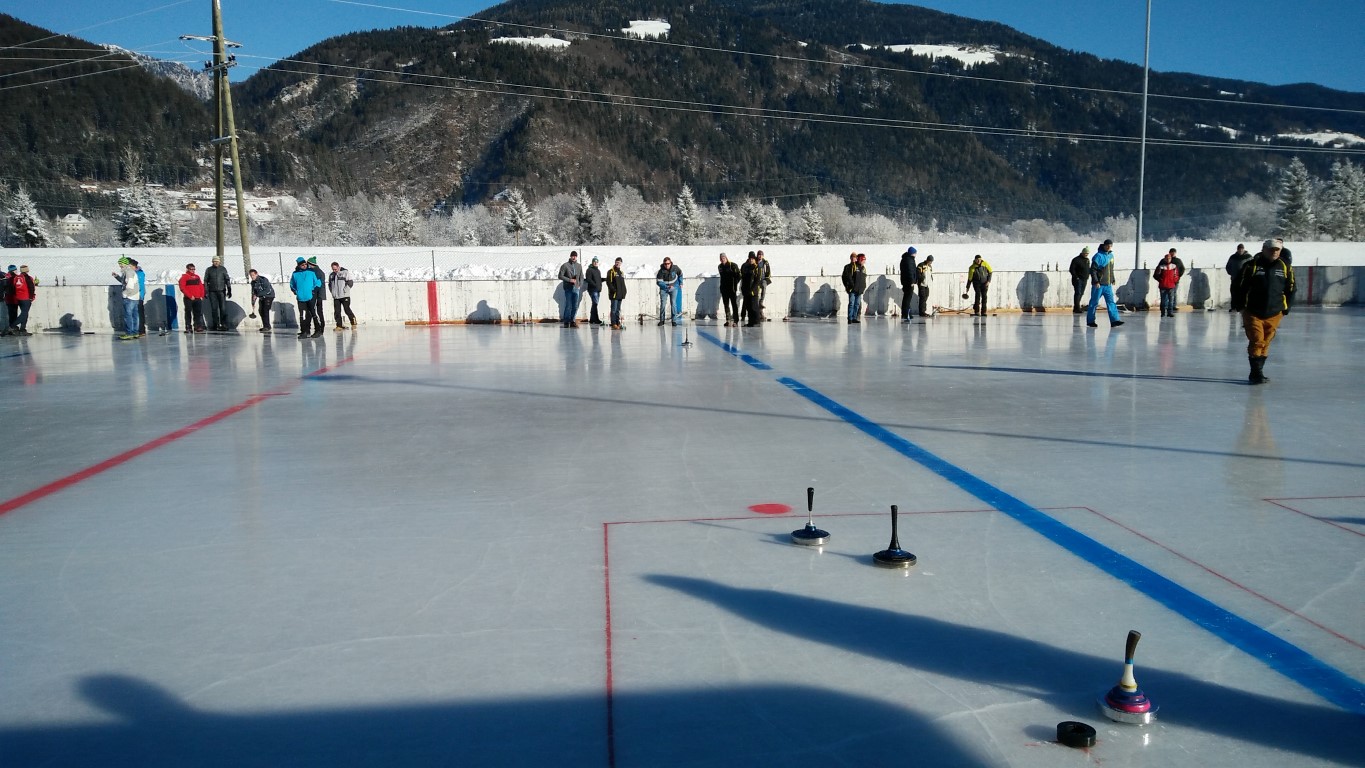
(63, 483)
(1332, 523)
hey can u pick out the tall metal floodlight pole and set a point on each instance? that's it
(1142, 162)
(225, 134)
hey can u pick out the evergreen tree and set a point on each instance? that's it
(141, 219)
(584, 213)
(773, 224)
(337, 228)
(812, 225)
(27, 227)
(751, 213)
(727, 225)
(1343, 202)
(517, 217)
(1297, 218)
(405, 222)
(686, 228)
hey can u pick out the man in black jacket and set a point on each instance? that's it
(729, 288)
(616, 292)
(592, 285)
(855, 283)
(217, 289)
(263, 296)
(751, 285)
(909, 272)
(1080, 278)
(1263, 292)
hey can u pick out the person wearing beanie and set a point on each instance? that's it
(909, 272)
(750, 285)
(765, 279)
(339, 282)
(262, 298)
(127, 277)
(320, 295)
(616, 292)
(218, 289)
(1263, 292)
(1080, 278)
(20, 289)
(305, 284)
(979, 278)
(592, 283)
(855, 284)
(192, 294)
(926, 281)
(1102, 284)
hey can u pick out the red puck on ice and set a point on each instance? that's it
(1074, 734)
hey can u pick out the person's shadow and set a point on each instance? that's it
(707, 298)
(1032, 292)
(484, 314)
(1201, 289)
(799, 305)
(1133, 294)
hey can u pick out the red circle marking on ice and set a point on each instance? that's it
(770, 509)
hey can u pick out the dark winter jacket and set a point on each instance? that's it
(216, 278)
(765, 271)
(20, 286)
(668, 278)
(1167, 274)
(1238, 260)
(855, 278)
(571, 274)
(261, 288)
(592, 279)
(979, 275)
(1080, 267)
(1264, 288)
(322, 280)
(616, 284)
(909, 270)
(750, 279)
(729, 278)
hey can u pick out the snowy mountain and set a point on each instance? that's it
(197, 83)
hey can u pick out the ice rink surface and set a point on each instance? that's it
(529, 545)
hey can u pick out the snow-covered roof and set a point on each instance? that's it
(648, 28)
(969, 55)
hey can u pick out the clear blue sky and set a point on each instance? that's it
(1316, 41)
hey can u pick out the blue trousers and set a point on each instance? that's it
(615, 311)
(130, 323)
(855, 305)
(1168, 300)
(571, 298)
(666, 306)
(1107, 291)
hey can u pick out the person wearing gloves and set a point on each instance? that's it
(339, 282)
(592, 283)
(571, 277)
(616, 292)
(1263, 292)
(1102, 284)
(667, 278)
(979, 278)
(218, 289)
(1080, 278)
(729, 289)
(263, 296)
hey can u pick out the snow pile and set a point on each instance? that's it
(544, 41)
(651, 28)
(1323, 138)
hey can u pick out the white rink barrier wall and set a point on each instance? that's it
(98, 308)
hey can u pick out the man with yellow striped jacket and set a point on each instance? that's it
(1263, 292)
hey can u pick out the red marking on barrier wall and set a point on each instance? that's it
(433, 310)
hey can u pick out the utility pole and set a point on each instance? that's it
(225, 134)
(1142, 163)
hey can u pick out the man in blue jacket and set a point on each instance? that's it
(1102, 284)
(305, 286)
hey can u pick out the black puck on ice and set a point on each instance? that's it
(1074, 734)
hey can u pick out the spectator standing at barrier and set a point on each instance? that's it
(21, 289)
(743, 302)
(305, 285)
(926, 281)
(1236, 261)
(1167, 276)
(571, 276)
(909, 272)
(127, 277)
(667, 279)
(979, 278)
(1102, 284)
(855, 283)
(262, 297)
(616, 292)
(339, 282)
(141, 297)
(320, 295)
(192, 293)
(765, 279)
(751, 285)
(218, 289)
(592, 284)
(1080, 279)
(729, 289)
(1263, 292)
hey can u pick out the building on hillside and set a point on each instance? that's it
(72, 224)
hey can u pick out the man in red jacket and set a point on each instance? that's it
(192, 290)
(20, 289)
(1167, 275)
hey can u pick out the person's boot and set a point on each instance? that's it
(1264, 378)
(1256, 376)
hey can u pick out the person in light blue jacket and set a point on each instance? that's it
(1102, 284)
(304, 283)
(668, 278)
